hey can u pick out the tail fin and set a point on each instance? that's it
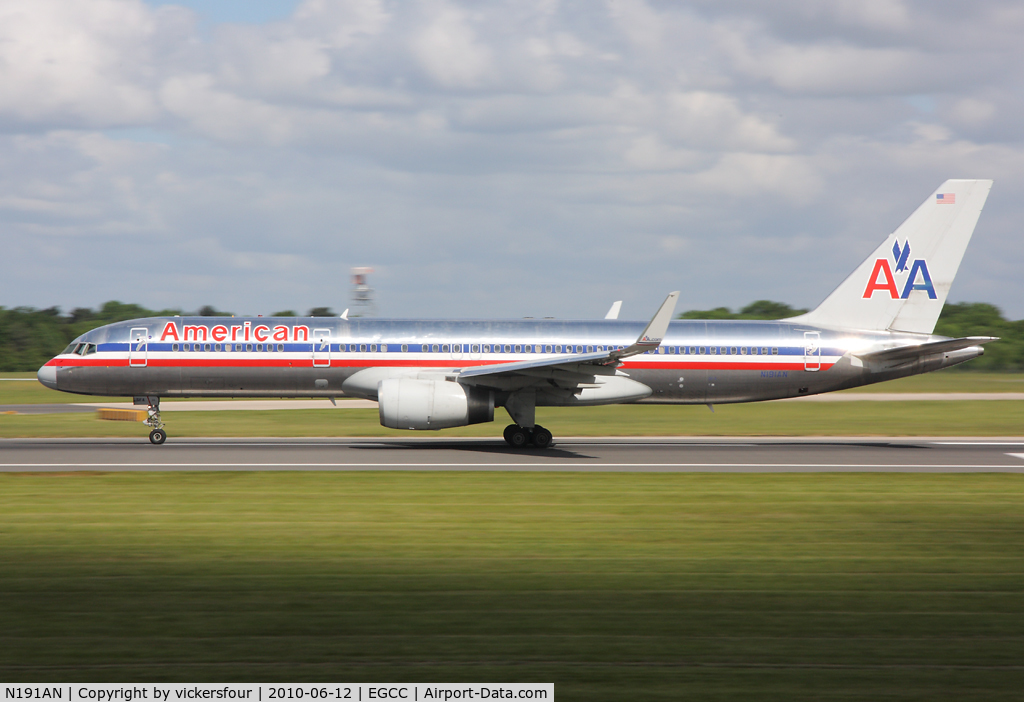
(904, 283)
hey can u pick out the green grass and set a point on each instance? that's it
(968, 418)
(612, 586)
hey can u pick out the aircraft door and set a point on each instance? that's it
(321, 348)
(812, 351)
(138, 347)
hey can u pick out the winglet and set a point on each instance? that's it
(613, 313)
(344, 315)
(654, 332)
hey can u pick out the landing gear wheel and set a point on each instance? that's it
(508, 433)
(518, 438)
(541, 437)
(158, 436)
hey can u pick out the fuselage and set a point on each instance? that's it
(698, 362)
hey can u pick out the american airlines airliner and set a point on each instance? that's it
(433, 374)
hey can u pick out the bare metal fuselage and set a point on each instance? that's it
(698, 362)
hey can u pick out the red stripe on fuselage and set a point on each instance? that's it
(403, 363)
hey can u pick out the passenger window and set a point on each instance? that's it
(764, 350)
(206, 347)
(702, 350)
(373, 348)
(259, 347)
(743, 350)
(733, 350)
(248, 347)
(558, 348)
(174, 347)
(436, 348)
(280, 347)
(216, 347)
(383, 348)
(486, 348)
(508, 348)
(519, 348)
(775, 351)
(405, 348)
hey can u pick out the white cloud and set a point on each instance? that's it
(636, 140)
(972, 111)
(448, 50)
(64, 63)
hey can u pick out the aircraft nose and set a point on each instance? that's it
(47, 375)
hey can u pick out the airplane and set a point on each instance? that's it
(434, 374)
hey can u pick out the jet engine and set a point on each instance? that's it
(408, 403)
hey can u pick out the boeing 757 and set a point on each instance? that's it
(434, 374)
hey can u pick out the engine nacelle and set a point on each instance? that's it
(408, 403)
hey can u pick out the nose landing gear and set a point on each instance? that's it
(520, 437)
(158, 435)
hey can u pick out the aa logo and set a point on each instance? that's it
(883, 280)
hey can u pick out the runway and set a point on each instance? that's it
(717, 455)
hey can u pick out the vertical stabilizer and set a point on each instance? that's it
(904, 283)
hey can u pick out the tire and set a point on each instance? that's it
(508, 433)
(518, 438)
(541, 437)
(158, 436)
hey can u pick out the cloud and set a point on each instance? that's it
(448, 50)
(503, 158)
(63, 63)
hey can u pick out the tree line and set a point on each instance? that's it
(30, 337)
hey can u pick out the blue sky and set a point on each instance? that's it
(248, 11)
(511, 158)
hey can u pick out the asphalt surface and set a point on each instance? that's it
(822, 454)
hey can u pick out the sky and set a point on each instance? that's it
(500, 159)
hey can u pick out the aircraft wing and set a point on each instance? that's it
(574, 368)
(905, 353)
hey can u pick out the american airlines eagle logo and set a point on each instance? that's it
(883, 277)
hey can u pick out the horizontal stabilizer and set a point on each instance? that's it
(903, 353)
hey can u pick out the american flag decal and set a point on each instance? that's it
(945, 199)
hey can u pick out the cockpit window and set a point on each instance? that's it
(70, 349)
(80, 349)
(89, 349)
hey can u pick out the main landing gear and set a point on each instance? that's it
(520, 437)
(158, 435)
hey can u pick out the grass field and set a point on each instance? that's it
(967, 418)
(612, 586)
